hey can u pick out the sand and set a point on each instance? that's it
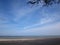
(49, 41)
(23, 39)
(15, 39)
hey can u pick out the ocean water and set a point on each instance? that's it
(27, 37)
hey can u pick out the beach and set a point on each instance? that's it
(41, 41)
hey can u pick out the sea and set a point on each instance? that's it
(27, 37)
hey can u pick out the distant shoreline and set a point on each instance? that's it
(23, 37)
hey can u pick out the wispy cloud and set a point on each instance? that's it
(52, 29)
(17, 18)
(40, 23)
(46, 19)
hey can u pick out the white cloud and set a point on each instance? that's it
(19, 12)
(53, 29)
(48, 17)
(40, 22)
(50, 29)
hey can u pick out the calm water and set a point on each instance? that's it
(23, 37)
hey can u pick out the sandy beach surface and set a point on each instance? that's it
(15, 39)
(41, 41)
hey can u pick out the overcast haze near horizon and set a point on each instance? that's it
(17, 18)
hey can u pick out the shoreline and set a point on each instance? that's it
(41, 41)
(26, 39)
(15, 39)
(21, 39)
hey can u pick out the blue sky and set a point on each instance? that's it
(17, 18)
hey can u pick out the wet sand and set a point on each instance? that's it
(45, 41)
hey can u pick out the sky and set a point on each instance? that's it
(17, 18)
